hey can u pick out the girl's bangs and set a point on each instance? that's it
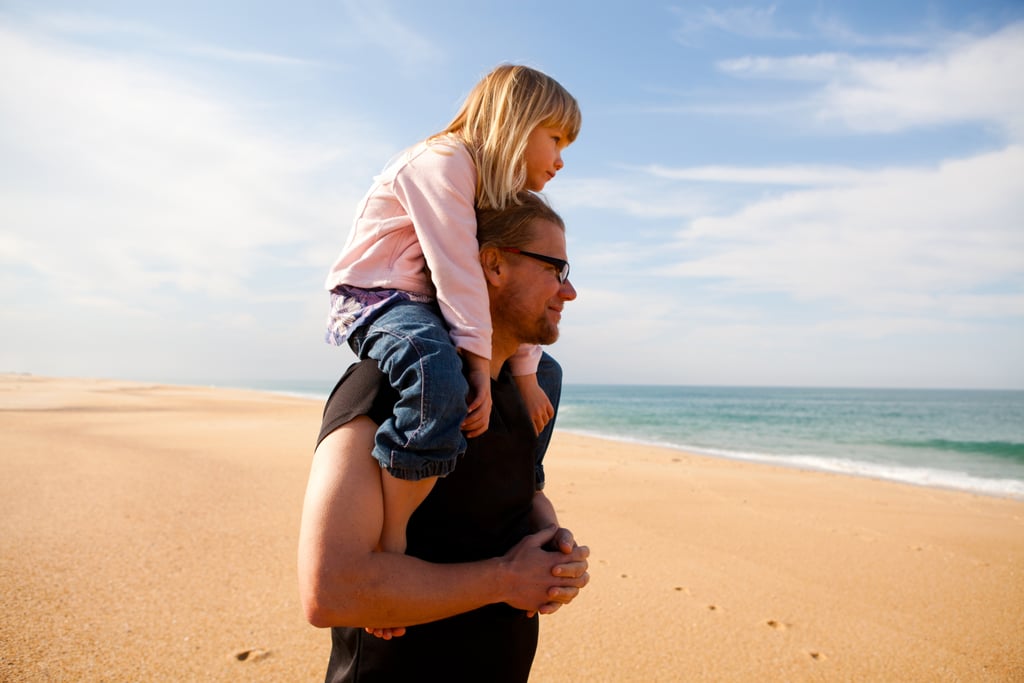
(565, 115)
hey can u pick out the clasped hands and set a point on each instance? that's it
(568, 571)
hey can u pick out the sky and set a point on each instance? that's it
(762, 194)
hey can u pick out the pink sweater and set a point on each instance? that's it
(415, 230)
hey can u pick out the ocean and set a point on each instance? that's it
(971, 440)
(968, 440)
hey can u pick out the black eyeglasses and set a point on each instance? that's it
(561, 267)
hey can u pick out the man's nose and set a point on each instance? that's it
(567, 291)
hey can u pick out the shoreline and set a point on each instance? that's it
(149, 533)
(1004, 489)
(944, 480)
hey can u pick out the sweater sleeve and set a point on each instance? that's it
(525, 360)
(438, 189)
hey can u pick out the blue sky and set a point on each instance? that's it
(788, 193)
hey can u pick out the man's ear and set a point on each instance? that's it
(493, 265)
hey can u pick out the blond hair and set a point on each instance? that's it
(495, 123)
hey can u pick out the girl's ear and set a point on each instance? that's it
(493, 265)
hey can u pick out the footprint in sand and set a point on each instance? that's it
(252, 654)
(777, 625)
(817, 656)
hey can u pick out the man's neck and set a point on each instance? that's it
(501, 351)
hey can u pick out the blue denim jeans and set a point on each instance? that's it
(410, 342)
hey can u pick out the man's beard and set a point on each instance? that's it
(544, 333)
(528, 327)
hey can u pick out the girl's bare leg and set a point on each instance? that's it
(401, 498)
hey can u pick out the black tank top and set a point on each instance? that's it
(477, 512)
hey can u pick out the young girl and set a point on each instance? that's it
(408, 290)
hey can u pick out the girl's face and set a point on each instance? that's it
(543, 156)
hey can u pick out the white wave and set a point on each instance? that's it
(918, 476)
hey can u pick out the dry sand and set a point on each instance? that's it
(148, 533)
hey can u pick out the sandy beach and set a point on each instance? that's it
(149, 534)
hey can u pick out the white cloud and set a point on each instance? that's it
(835, 30)
(989, 305)
(700, 344)
(816, 67)
(372, 25)
(630, 195)
(93, 26)
(975, 79)
(769, 175)
(124, 179)
(924, 241)
(251, 57)
(883, 327)
(748, 22)
(78, 24)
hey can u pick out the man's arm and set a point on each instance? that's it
(343, 582)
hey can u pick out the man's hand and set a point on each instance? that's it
(564, 543)
(542, 581)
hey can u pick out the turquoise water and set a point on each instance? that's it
(969, 440)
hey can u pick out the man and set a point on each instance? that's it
(485, 551)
